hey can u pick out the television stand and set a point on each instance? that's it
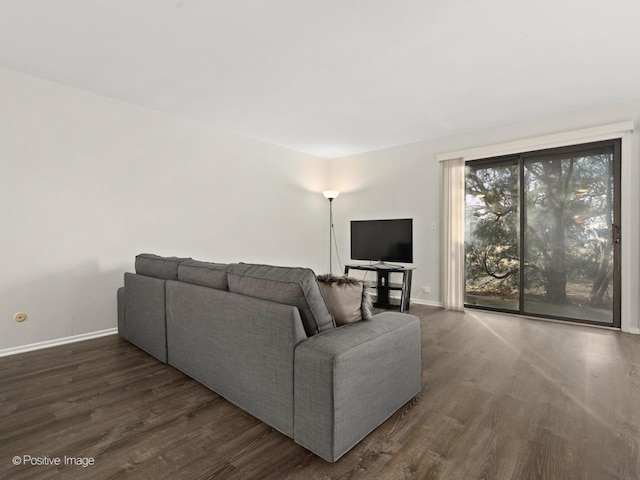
(384, 266)
(383, 287)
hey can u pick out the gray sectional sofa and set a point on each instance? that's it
(263, 338)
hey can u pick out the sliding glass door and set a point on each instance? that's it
(542, 233)
(492, 234)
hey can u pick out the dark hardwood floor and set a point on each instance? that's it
(502, 398)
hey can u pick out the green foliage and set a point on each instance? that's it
(491, 244)
(568, 203)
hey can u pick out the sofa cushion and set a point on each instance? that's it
(206, 274)
(291, 286)
(158, 267)
(348, 299)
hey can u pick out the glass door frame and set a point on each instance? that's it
(519, 159)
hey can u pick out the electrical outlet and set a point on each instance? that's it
(426, 289)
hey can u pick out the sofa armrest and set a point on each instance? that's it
(145, 314)
(351, 379)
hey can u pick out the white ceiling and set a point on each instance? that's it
(335, 77)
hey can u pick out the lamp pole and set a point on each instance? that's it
(330, 195)
(330, 235)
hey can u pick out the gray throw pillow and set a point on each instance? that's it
(348, 299)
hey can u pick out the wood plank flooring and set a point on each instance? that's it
(502, 398)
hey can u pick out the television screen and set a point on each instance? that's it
(382, 240)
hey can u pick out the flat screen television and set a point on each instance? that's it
(382, 240)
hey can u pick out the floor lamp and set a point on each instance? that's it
(330, 195)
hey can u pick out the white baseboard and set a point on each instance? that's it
(417, 301)
(57, 341)
(635, 331)
(430, 303)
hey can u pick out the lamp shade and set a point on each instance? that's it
(330, 194)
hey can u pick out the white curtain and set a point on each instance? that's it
(453, 234)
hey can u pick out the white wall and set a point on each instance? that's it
(405, 182)
(87, 182)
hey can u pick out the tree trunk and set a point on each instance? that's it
(557, 287)
(603, 278)
(604, 275)
(556, 274)
(599, 296)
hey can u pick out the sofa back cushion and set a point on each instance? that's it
(206, 274)
(151, 265)
(290, 286)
